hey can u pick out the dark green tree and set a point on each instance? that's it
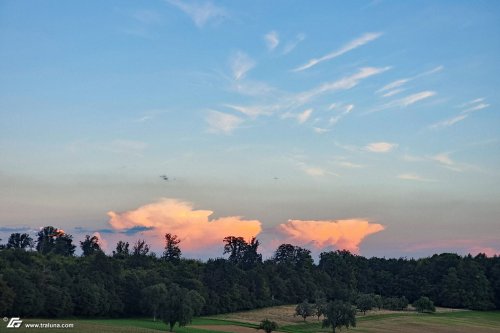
(268, 326)
(296, 256)
(320, 304)
(153, 297)
(7, 297)
(141, 248)
(451, 290)
(364, 302)
(172, 251)
(424, 304)
(90, 245)
(122, 250)
(46, 239)
(339, 314)
(180, 305)
(242, 253)
(20, 241)
(53, 240)
(304, 310)
(377, 301)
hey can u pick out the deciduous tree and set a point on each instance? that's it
(304, 310)
(339, 314)
(90, 245)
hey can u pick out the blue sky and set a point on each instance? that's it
(273, 118)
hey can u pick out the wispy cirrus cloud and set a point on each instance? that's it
(381, 147)
(220, 122)
(344, 110)
(240, 63)
(291, 45)
(349, 165)
(404, 101)
(366, 38)
(468, 108)
(392, 92)
(272, 40)
(200, 12)
(448, 122)
(414, 177)
(252, 111)
(344, 83)
(414, 98)
(396, 86)
(301, 117)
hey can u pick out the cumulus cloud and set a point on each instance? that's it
(380, 147)
(366, 38)
(341, 234)
(220, 122)
(194, 227)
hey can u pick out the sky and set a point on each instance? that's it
(371, 126)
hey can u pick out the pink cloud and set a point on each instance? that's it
(342, 234)
(194, 227)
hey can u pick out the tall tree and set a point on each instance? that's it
(20, 241)
(90, 245)
(339, 314)
(172, 250)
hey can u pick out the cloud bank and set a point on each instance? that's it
(199, 233)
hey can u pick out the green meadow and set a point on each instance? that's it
(373, 322)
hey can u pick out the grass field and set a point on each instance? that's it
(245, 322)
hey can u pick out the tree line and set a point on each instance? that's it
(43, 277)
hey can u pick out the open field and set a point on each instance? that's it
(445, 321)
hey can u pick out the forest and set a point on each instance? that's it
(43, 277)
